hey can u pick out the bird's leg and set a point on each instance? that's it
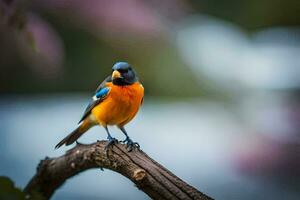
(111, 140)
(130, 144)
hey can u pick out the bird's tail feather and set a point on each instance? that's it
(73, 136)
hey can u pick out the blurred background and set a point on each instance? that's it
(222, 104)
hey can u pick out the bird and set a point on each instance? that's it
(115, 102)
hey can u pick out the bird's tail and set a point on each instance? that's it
(72, 137)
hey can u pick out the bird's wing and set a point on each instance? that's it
(103, 84)
(100, 94)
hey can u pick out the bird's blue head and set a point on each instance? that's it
(123, 74)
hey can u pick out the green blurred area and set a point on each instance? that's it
(88, 58)
(253, 14)
(8, 191)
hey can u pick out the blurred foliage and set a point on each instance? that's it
(8, 191)
(253, 14)
(63, 48)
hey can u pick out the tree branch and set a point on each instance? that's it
(148, 175)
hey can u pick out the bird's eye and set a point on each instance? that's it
(123, 70)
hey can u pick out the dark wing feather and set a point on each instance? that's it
(103, 84)
(93, 103)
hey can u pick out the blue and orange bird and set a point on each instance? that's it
(116, 102)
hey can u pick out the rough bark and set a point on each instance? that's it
(148, 175)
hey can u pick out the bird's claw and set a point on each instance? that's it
(111, 142)
(130, 144)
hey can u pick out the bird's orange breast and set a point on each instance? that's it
(120, 106)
